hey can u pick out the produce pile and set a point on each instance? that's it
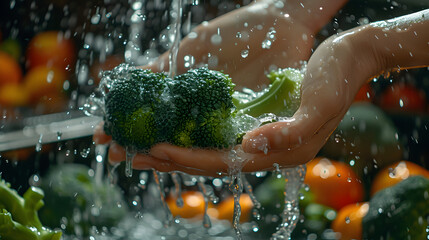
(37, 77)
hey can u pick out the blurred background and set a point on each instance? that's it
(51, 56)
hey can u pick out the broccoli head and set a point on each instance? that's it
(203, 98)
(134, 106)
(199, 108)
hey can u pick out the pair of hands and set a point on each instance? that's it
(335, 72)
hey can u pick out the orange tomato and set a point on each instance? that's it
(13, 95)
(349, 221)
(225, 209)
(395, 173)
(365, 94)
(193, 205)
(51, 49)
(43, 81)
(10, 71)
(333, 183)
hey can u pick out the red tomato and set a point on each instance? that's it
(51, 49)
(333, 183)
(403, 97)
(365, 94)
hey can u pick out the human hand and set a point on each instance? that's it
(293, 38)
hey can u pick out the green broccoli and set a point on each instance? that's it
(134, 106)
(18, 215)
(399, 212)
(196, 109)
(72, 193)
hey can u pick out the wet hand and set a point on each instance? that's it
(245, 44)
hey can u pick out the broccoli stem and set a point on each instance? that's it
(282, 96)
(18, 216)
(12, 230)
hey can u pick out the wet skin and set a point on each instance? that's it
(335, 72)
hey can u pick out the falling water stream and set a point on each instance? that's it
(236, 159)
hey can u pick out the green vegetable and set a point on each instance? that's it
(73, 194)
(282, 97)
(366, 138)
(18, 215)
(316, 217)
(399, 212)
(196, 109)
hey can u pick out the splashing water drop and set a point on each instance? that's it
(172, 58)
(160, 185)
(266, 44)
(294, 178)
(178, 188)
(236, 187)
(244, 53)
(100, 151)
(129, 155)
(216, 39)
(39, 144)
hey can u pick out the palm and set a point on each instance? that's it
(233, 43)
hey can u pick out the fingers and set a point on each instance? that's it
(117, 154)
(208, 160)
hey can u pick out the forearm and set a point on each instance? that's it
(394, 44)
(313, 14)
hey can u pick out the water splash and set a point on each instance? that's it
(203, 189)
(100, 151)
(236, 188)
(172, 58)
(160, 185)
(129, 156)
(178, 188)
(294, 178)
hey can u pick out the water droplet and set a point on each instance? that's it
(244, 53)
(266, 44)
(216, 39)
(347, 220)
(129, 155)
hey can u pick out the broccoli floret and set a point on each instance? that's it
(196, 109)
(134, 106)
(399, 212)
(204, 98)
(18, 215)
